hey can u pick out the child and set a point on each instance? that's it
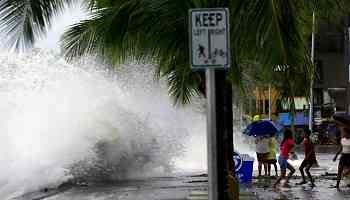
(286, 146)
(309, 160)
(271, 158)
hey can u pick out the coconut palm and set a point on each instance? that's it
(156, 31)
(268, 32)
(291, 81)
(24, 21)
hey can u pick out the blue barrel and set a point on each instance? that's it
(243, 167)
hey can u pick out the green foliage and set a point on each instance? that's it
(270, 36)
(142, 31)
(264, 34)
(298, 70)
(25, 20)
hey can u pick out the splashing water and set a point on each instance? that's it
(59, 120)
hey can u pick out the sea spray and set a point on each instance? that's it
(60, 121)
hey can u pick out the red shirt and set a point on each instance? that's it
(309, 149)
(286, 147)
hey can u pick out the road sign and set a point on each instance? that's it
(209, 38)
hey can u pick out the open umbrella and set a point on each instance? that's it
(262, 128)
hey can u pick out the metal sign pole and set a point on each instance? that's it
(210, 49)
(213, 189)
(219, 135)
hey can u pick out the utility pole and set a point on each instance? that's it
(311, 100)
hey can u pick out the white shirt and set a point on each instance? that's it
(346, 145)
(262, 145)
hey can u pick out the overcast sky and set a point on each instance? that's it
(59, 25)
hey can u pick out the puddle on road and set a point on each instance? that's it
(322, 191)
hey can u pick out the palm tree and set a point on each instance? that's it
(267, 32)
(24, 21)
(292, 82)
(156, 31)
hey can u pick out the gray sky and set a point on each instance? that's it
(59, 25)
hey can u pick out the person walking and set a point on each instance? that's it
(344, 149)
(262, 150)
(309, 160)
(271, 158)
(286, 146)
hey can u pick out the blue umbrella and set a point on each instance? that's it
(262, 128)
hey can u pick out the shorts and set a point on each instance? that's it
(345, 160)
(261, 157)
(271, 161)
(282, 162)
(308, 162)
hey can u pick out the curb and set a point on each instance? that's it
(203, 195)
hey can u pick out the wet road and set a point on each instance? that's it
(181, 186)
(322, 191)
(325, 179)
(166, 188)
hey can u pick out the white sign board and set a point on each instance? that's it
(209, 38)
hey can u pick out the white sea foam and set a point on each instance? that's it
(59, 120)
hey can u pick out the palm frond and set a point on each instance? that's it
(143, 31)
(266, 32)
(23, 21)
(269, 33)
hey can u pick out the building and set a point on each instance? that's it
(332, 59)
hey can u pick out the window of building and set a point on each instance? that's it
(319, 71)
(261, 106)
(266, 106)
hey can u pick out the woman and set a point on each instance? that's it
(262, 150)
(344, 150)
(286, 146)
